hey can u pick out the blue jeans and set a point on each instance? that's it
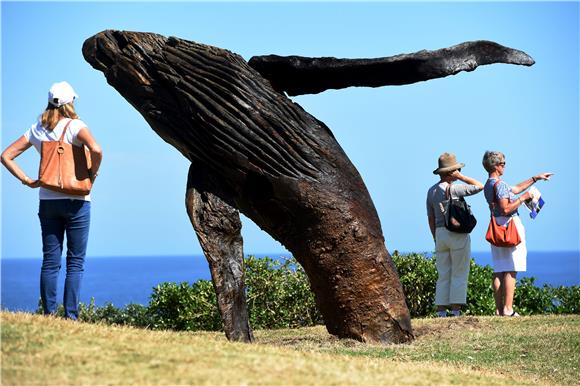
(58, 217)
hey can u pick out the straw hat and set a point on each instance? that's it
(447, 163)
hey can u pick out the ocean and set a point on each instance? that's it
(124, 280)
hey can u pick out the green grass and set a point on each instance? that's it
(470, 350)
(533, 349)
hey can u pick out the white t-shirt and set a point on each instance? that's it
(37, 134)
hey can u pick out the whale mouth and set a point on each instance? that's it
(124, 57)
(98, 49)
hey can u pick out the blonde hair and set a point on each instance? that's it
(53, 114)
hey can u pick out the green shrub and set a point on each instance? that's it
(479, 291)
(418, 277)
(131, 315)
(278, 294)
(106, 314)
(135, 315)
(566, 300)
(530, 299)
(184, 307)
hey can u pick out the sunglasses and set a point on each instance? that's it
(501, 164)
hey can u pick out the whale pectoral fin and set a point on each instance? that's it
(297, 75)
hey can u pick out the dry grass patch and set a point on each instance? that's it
(41, 350)
(537, 349)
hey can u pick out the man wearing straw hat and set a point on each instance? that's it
(453, 250)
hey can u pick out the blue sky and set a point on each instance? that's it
(393, 135)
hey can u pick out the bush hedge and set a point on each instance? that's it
(279, 296)
(184, 307)
(418, 276)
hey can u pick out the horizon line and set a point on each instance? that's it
(271, 254)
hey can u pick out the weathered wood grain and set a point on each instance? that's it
(218, 228)
(265, 156)
(298, 75)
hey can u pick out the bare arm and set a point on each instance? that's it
(506, 207)
(8, 156)
(89, 141)
(431, 219)
(530, 181)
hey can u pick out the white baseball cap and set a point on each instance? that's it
(61, 93)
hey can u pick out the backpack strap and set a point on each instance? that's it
(61, 139)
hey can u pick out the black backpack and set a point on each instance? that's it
(458, 217)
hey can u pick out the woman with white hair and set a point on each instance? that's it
(59, 213)
(504, 204)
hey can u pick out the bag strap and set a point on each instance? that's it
(449, 196)
(64, 131)
(492, 203)
(495, 190)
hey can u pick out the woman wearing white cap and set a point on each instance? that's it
(453, 250)
(59, 213)
(504, 204)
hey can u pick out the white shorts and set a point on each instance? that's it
(511, 259)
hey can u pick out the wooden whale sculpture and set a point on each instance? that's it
(254, 150)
